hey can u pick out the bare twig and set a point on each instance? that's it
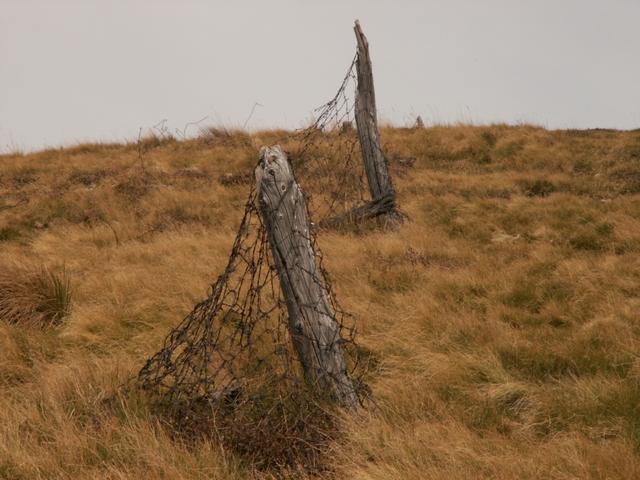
(253, 109)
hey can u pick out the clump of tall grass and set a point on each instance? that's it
(33, 296)
(223, 136)
(276, 428)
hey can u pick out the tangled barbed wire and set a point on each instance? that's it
(326, 155)
(230, 366)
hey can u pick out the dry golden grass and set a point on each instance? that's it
(32, 296)
(503, 317)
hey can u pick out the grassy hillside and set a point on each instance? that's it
(504, 315)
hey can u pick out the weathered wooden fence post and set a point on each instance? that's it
(312, 324)
(375, 163)
(383, 195)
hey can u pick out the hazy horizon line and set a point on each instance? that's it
(185, 135)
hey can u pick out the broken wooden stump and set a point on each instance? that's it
(367, 123)
(383, 195)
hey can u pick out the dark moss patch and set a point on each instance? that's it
(8, 234)
(537, 188)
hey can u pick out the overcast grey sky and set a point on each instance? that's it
(84, 70)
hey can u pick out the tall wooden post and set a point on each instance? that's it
(383, 196)
(312, 324)
(375, 163)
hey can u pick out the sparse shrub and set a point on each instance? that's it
(539, 286)
(509, 149)
(276, 433)
(88, 177)
(276, 428)
(522, 319)
(152, 141)
(502, 193)
(230, 179)
(596, 348)
(524, 296)
(8, 234)
(585, 241)
(92, 148)
(480, 151)
(604, 229)
(592, 239)
(468, 228)
(180, 214)
(393, 281)
(489, 138)
(626, 246)
(535, 362)
(136, 183)
(499, 406)
(537, 188)
(582, 166)
(633, 151)
(482, 157)
(515, 221)
(34, 296)
(192, 173)
(24, 176)
(466, 296)
(628, 179)
(214, 136)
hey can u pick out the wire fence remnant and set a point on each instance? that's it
(231, 367)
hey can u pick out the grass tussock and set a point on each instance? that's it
(503, 316)
(220, 136)
(281, 431)
(34, 296)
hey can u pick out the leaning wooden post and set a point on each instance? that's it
(366, 120)
(312, 324)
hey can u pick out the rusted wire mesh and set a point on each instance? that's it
(230, 368)
(326, 155)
